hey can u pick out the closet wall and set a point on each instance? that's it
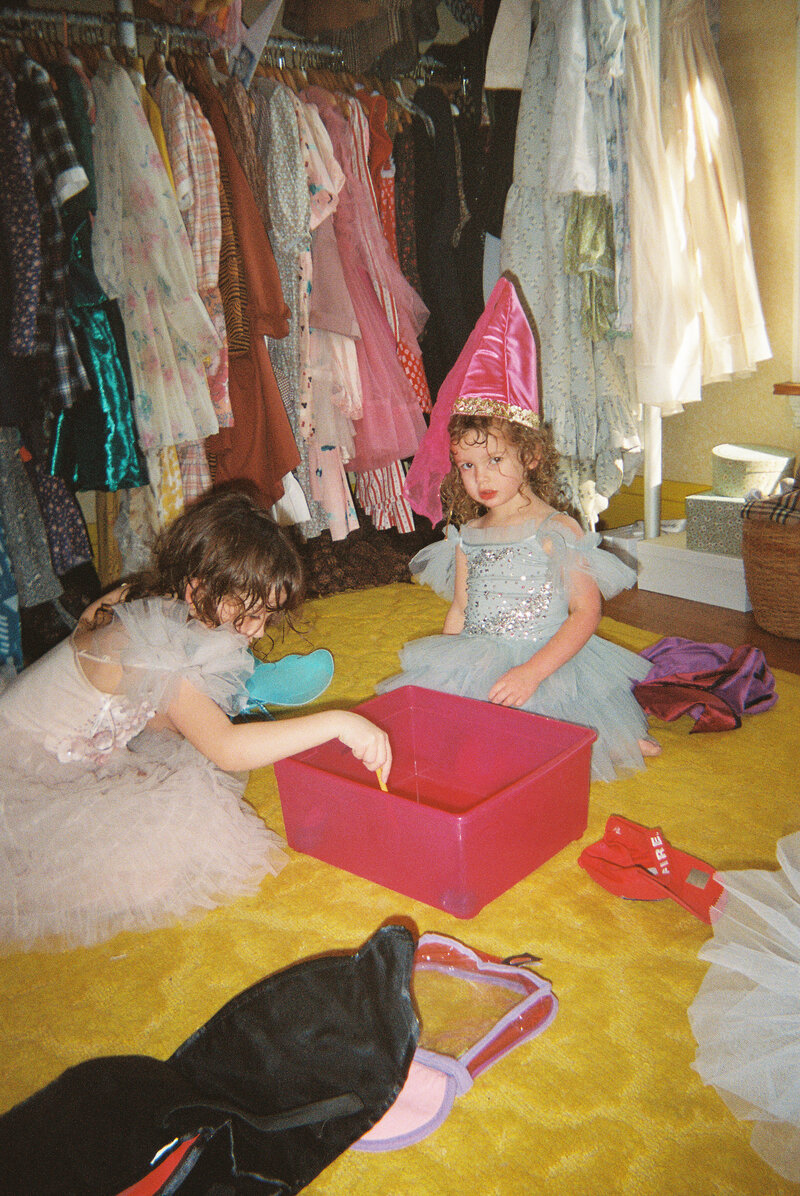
(757, 49)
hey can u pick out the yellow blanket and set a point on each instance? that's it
(605, 1101)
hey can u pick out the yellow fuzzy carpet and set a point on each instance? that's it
(605, 1101)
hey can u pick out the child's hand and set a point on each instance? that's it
(514, 687)
(110, 599)
(367, 742)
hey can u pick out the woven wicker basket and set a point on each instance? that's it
(771, 554)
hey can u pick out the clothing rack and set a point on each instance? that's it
(121, 25)
(125, 29)
(429, 67)
(19, 20)
(294, 52)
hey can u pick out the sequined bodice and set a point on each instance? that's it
(510, 588)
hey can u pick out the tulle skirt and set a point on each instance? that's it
(392, 424)
(746, 1015)
(155, 834)
(592, 689)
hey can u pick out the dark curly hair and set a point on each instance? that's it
(224, 547)
(536, 450)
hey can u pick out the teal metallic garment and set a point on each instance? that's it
(95, 446)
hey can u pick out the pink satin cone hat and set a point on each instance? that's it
(495, 375)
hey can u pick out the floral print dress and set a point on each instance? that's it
(144, 260)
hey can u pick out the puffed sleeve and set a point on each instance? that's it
(435, 564)
(153, 644)
(578, 552)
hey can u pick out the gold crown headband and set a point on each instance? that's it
(476, 405)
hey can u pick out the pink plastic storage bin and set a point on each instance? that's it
(480, 796)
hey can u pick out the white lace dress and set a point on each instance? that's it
(104, 825)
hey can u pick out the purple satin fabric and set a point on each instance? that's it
(725, 683)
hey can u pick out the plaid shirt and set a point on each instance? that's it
(57, 176)
(781, 508)
(206, 232)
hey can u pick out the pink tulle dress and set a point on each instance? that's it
(105, 825)
(392, 423)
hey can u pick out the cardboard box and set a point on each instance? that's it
(479, 797)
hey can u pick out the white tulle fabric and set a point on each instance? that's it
(746, 1015)
(704, 159)
(104, 824)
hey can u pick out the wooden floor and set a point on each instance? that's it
(707, 624)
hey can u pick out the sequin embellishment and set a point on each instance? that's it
(512, 616)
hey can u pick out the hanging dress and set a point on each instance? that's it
(20, 249)
(10, 628)
(392, 424)
(666, 325)
(277, 142)
(260, 446)
(705, 163)
(382, 172)
(95, 445)
(57, 376)
(194, 160)
(142, 258)
(585, 391)
(333, 332)
(23, 527)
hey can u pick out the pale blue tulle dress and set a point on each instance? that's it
(517, 598)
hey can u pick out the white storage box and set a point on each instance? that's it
(667, 566)
(624, 541)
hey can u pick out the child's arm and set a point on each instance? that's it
(239, 747)
(454, 619)
(516, 686)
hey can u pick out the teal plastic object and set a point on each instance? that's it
(291, 681)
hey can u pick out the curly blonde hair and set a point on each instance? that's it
(537, 452)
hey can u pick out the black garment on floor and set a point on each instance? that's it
(277, 1084)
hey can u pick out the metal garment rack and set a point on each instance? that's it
(124, 26)
(127, 29)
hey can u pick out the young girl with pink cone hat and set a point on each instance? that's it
(524, 581)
